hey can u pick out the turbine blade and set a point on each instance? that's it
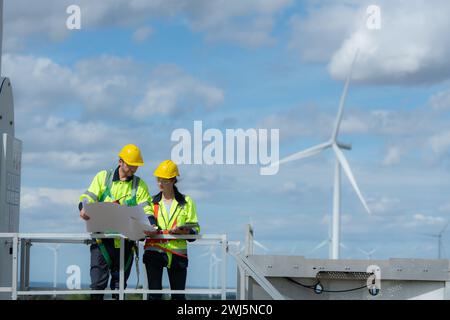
(344, 163)
(429, 235)
(305, 153)
(343, 246)
(258, 244)
(293, 249)
(342, 100)
(320, 245)
(443, 230)
(363, 251)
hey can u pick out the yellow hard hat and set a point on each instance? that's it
(131, 154)
(166, 170)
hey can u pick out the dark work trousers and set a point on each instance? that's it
(155, 262)
(100, 271)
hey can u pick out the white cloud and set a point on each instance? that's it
(38, 198)
(384, 205)
(421, 220)
(171, 90)
(248, 23)
(440, 100)
(440, 142)
(393, 156)
(56, 133)
(38, 82)
(66, 160)
(316, 37)
(97, 86)
(354, 124)
(445, 208)
(411, 46)
(142, 34)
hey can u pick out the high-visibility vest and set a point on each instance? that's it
(129, 193)
(181, 213)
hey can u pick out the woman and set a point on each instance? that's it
(173, 213)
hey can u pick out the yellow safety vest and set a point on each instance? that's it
(180, 214)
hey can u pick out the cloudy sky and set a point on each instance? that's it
(137, 70)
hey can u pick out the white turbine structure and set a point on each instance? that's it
(213, 267)
(341, 161)
(324, 243)
(439, 237)
(368, 254)
(258, 244)
(55, 250)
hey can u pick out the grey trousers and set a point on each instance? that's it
(100, 272)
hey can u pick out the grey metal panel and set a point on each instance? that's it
(6, 107)
(399, 278)
(390, 290)
(392, 269)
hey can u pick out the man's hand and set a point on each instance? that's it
(83, 215)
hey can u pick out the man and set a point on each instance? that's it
(122, 186)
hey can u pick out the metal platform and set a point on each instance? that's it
(295, 277)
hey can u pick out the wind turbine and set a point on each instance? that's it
(324, 243)
(55, 250)
(341, 161)
(368, 254)
(213, 267)
(258, 244)
(439, 237)
(327, 241)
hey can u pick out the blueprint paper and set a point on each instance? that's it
(107, 217)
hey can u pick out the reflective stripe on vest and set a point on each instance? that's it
(92, 195)
(152, 244)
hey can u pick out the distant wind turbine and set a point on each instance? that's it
(439, 237)
(55, 250)
(368, 254)
(258, 244)
(213, 267)
(341, 161)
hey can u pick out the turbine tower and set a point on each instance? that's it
(341, 162)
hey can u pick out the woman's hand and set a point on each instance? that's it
(152, 233)
(179, 231)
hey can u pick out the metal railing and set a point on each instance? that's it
(24, 241)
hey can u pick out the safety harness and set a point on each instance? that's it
(155, 243)
(130, 203)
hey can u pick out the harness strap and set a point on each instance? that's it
(164, 249)
(156, 213)
(108, 183)
(134, 187)
(107, 257)
(104, 252)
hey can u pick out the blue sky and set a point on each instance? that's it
(137, 70)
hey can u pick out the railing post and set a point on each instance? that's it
(248, 251)
(122, 273)
(14, 266)
(224, 267)
(144, 275)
